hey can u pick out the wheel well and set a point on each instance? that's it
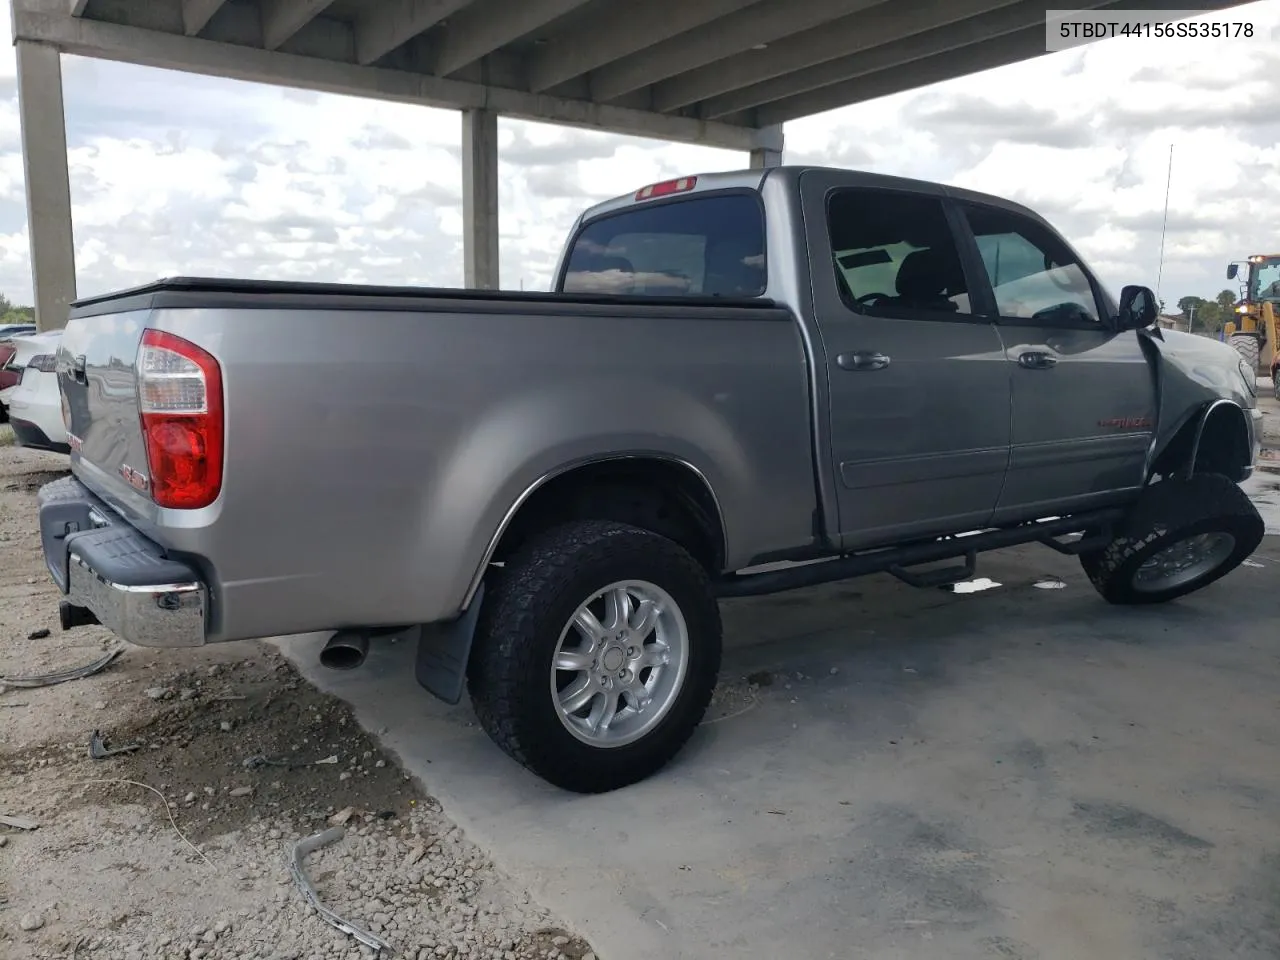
(664, 496)
(1224, 445)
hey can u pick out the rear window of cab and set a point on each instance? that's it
(711, 245)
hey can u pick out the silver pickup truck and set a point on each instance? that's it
(818, 372)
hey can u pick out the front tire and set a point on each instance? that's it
(1249, 347)
(596, 654)
(1182, 535)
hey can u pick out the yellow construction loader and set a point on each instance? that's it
(1252, 328)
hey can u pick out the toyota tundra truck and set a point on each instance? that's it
(740, 383)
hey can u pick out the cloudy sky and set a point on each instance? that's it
(179, 174)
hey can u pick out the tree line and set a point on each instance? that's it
(1208, 316)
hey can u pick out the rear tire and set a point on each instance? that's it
(596, 654)
(1249, 348)
(1182, 535)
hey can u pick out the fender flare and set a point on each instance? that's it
(1202, 422)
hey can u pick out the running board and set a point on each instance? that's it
(1094, 527)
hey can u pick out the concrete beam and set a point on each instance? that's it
(77, 7)
(997, 23)
(871, 49)
(44, 161)
(480, 199)
(953, 61)
(623, 30)
(47, 21)
(1011, 48)
(281, 19)
(390, 23)
(486, 26)
(760, 23)
(840, 39)
(197, 13)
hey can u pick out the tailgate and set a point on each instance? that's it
(97, 374)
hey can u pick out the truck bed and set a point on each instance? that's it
(205, 292)
(377, 437)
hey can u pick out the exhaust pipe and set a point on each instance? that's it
(345, 650)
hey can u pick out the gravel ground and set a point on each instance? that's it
(107, 875)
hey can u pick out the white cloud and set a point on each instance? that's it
(176, 173)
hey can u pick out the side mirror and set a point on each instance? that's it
(1232, 270)
(1137, 308)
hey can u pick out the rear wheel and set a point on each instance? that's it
(1182, 535)
(596, 654)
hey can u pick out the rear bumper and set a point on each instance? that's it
(126, 581)
(30, 435)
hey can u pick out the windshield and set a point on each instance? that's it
(1264, 283)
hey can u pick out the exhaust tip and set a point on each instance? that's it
(345, 650)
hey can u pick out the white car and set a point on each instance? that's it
(35, 404)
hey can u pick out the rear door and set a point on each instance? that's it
(1084, 397)
(919, 387)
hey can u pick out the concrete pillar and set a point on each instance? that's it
(44, 159)
(480, 199)
(762, 157)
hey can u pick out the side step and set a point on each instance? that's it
(1094, 529)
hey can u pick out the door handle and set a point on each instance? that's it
(1037, 360)
(78, 366)
(862, 360)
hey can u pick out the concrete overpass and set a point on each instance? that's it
(725, 73)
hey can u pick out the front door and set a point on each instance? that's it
(919, 387)
(1084, 396)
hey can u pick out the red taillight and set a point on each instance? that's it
(180, 401)
(666, 187)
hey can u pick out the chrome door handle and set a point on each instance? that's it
(862, 360)
(1037, 360)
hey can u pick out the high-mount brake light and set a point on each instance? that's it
(180, 403)
(666, 188)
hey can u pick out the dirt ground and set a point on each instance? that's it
(180, 848)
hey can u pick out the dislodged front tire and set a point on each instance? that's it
(595, 654)
(1183, 534)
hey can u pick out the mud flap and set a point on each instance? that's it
(443, 652)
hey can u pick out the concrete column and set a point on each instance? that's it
(44, 159)
(480, 199)
(762, 157)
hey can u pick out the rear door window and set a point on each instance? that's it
(895, 255)
(699, 246)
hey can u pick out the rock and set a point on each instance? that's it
(30, 922)
(100, 705)
(186, 693)
(221, 927)
(560, 941)
(342, 816)
(189, 798)
(240, 791)
(225, 726)
(345, 775)
(209, 936)
(4, 841)
(158, 693)
(38, 634)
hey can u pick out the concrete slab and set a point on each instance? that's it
(1018, 772)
